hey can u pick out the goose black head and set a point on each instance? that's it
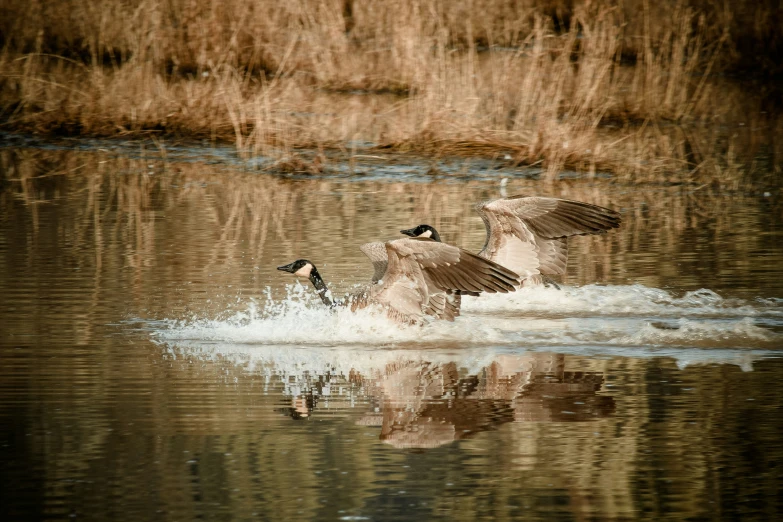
(422, 231)
(300, 267)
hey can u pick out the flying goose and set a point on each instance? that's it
(529, 235)
(441, 304)
(418, 277)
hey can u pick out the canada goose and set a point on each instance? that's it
(440, 304)
(419, 275)
(529, 235)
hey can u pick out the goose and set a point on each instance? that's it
(441, 304)
(529, 234)
(415, 279)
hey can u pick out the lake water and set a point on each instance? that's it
(155, 366)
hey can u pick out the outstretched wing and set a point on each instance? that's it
(442, 304)
(403, 291)
(438, 303)
(509, 242)
(376, 251)
(450, 268)
(553, 217)
(552, 255)
(422, 275)
(529, 234)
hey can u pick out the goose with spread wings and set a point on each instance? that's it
(529, 235)
(415, 277)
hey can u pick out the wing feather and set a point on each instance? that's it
(442, 304)
(436, 304)
(424, 277)
(552, 255)
(403, 292)
(452, 268)
(453, 304)
(376, 251)
(529, 234)
(554, 217)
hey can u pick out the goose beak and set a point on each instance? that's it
(410, 232)
(287, 268)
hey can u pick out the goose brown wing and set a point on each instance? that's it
(438, 304)
(453, 304)
(553, 217)
(552, 255)
(451, 268)
(376, 251)
(402, 296)
(403, 290)
(509, 242)
(442, 304)
(529, 234)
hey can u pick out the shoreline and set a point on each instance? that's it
(643, 92)
(366, 164)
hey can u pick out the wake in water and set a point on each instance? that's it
(595, 318)
(630, 300)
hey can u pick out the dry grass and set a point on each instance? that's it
(629, 89)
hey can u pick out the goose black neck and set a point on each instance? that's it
(320, 287)
(435, 236)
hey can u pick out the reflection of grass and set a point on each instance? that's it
(218, 220)
(548, 85)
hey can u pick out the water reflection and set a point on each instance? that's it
(153, 365)
(419, 404)
(424, 407)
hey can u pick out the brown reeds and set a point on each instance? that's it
(629, 88)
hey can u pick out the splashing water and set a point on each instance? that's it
(632, 300)
(301, 319)
(597, 318)
(296, 341)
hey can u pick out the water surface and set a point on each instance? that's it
(155, 366)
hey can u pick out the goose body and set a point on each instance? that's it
(417, 278)
(529, 235)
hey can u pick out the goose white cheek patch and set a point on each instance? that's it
(304, 271)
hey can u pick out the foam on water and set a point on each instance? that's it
(297, 362)
(619, 315)
(321, 360)
(301, 319)
(627, 300)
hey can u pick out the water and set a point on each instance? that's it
(155, 366)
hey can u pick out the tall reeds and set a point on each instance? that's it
(629, 88)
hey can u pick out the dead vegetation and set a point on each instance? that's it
(636, 88)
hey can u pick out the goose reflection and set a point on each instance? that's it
(421, 404)
(305, 393)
